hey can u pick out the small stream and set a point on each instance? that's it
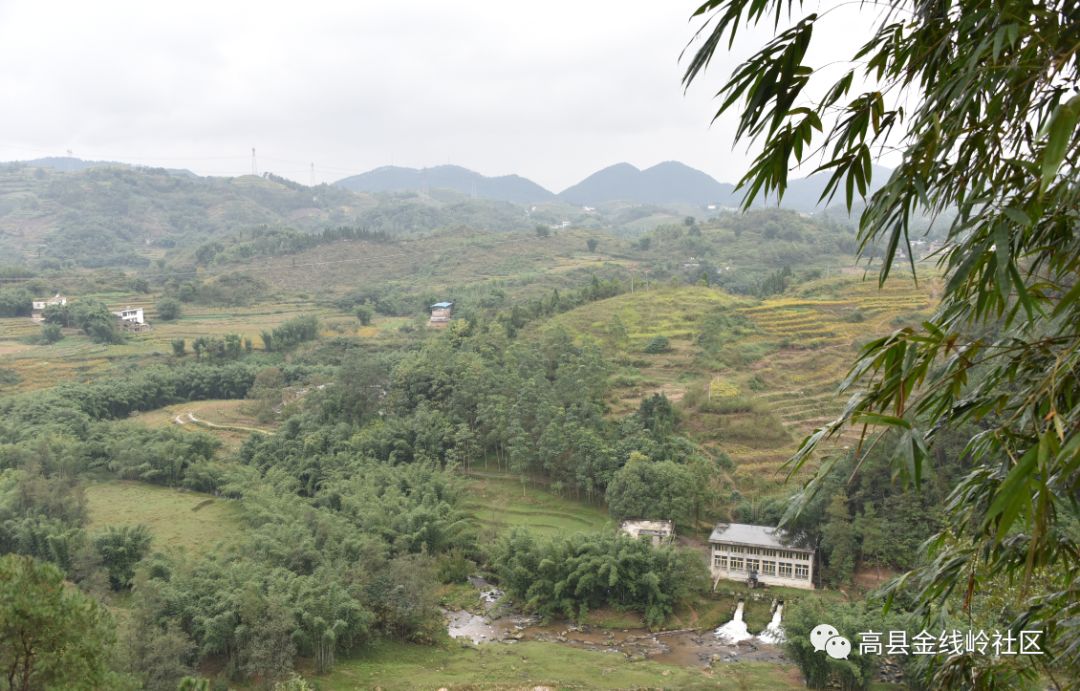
(687, 648)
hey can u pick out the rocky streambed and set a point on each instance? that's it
(687, 648)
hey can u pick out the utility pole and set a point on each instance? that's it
(312, 174)
(254, 170)
(646, 279)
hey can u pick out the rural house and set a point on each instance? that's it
(440, 313)
(132, 317)
(739, 551)
(659, 532)
(37, 307)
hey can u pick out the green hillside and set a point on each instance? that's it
(751, 376)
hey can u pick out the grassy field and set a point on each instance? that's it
(500, 503)
(528, 665)
(190, 521)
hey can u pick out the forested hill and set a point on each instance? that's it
(672, 182)
(664, 183)
(123, 216)
(507, 188)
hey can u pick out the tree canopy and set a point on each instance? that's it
(981, 101)
(51, 636)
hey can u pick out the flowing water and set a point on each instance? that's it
(773, 633)
(688, 648)
(734, 631)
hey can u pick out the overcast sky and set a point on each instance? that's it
(551, 90)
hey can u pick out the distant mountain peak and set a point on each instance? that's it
(507, 188)
(668, 182)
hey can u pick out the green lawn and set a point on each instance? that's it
(190, 521)
(500, 503)
(526, 665)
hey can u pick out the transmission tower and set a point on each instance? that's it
(254, 170)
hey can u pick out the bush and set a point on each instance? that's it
(51, 333)
(364, 313)
(15, 302)
(96, 321)
(168, 309)
(121, 549)
(291, 334)
(651, 490)
(571, 575)
(660, 344)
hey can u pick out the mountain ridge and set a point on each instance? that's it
(507, 188)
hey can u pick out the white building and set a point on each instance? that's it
(131, 315)
(739, 550)
(40, 305)
(659, 532)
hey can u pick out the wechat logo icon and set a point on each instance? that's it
(826, 638)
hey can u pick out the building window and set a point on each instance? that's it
(784, 570)
(720, 561)
(802, 572)
(753, 565)
(768, 568)
(736, 564)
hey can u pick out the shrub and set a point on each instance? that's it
(569, 576)
(168, 309)
(660, 344)
(51, 333)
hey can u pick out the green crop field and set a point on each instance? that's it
(533, 664)
(500, 503)
(189, 521)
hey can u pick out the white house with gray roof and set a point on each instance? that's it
(737, 550)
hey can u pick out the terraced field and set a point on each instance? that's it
(623, 327)
(753, 376)
(225, 419)
(76, 357)
(819, 332)
(500, 503)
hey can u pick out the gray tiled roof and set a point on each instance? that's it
(756, 535)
